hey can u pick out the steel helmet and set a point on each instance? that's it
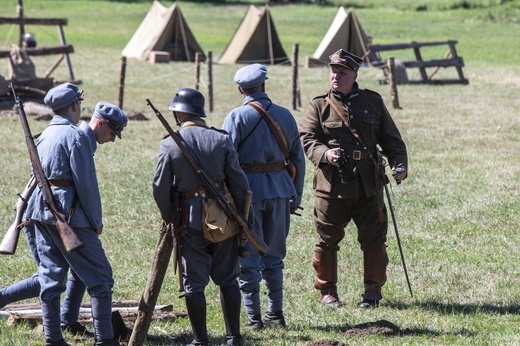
(29, 37)
(188, 100)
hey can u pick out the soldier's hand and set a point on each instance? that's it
(333, 157)
(399, 172)
(100, 230)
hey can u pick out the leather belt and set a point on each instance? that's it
(357, 154)
(61, 183)
(263, 168)
(200, 191)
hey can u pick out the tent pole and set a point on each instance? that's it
(269, 35)
(184, 39)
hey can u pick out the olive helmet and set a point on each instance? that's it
(188, 100)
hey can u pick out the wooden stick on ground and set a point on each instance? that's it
(163, 252)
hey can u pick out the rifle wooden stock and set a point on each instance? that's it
(257, 243)
(69, 238)
(10, 241)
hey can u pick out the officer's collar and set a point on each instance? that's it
(353, 93)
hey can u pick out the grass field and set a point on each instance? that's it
(458, 212)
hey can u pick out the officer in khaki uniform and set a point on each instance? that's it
(346, 182)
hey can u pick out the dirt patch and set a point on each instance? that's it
(379, 327)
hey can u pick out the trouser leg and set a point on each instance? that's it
(73, 299)
(375, 262)
(196, 306)
(102, 316)
(51, 318)
(274, 283)
(230, 300)
(23, 289)
(325, 264)
(252, 302)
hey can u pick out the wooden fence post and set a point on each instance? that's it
(210, 80)
(295, 91)
(392, 82)
(197, 70)
(122, 75)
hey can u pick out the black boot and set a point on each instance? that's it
(230, 299)
(76, 328)
(107, 342)
(56, 343)
(196, 305)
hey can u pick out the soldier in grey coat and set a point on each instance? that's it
(347, 179)
(106, 123)
(67, 160)
(275, 192)
(202, 259)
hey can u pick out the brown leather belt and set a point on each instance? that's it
(263, 168)
(61, 183)
(200, 191)
(357, 154)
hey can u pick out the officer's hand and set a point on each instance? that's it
(100, 230)
(332, 156)
(399, 172)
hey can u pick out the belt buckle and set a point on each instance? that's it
(356, 155)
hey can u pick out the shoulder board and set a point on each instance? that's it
(168, 135)
(219, 130)
(321, 96)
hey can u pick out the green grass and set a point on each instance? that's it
(458, 212)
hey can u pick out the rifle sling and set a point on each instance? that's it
(275, 128)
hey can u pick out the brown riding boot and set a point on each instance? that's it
(375, 263)
(325, 264)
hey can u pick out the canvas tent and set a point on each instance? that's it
(163, 29)
(255, 41)
(344, 32)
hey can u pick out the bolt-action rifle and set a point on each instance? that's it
(256, 242)
(386, 181)
(10, 241)
(69, 238)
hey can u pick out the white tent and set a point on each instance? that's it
(255, 40)
(163, 29)
(344, 32)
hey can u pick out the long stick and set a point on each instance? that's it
(163, 252)
(391, 207)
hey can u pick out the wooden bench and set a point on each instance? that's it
(451, 59)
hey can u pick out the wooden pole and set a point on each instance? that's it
(67, 58)
(210, 80)
(19, 10)
(122, 75)
(393, 84)
(53, 67)
(197, 70)
(295, 77)
(163, 252)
